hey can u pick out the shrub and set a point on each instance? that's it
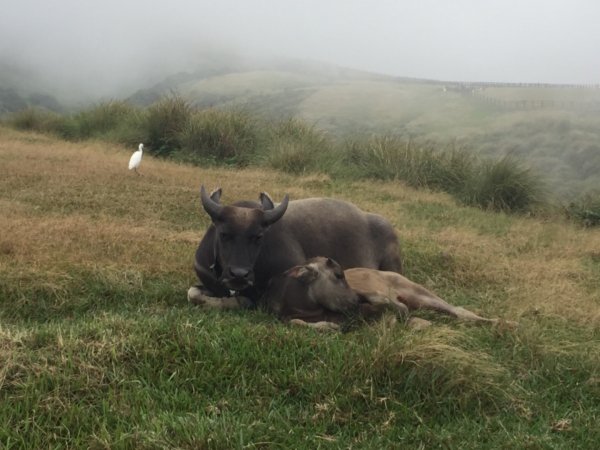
(393, 158)
(97, 121)
(131, 130)
(501, 185)
(297, 147)
(221, 136)
(458, 167)
(372, 158)
(504, 185)
(164, 122)
(585, 210)
(35, 119)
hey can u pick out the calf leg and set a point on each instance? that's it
(196, 296)
(377, 304)
(421, 298)
(320, 326)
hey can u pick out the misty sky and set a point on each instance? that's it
(111, 42)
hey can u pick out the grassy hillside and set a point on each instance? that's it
(99, 348)
(556, 128)
(173, 129)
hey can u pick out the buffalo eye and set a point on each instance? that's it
(339, 275)
(256, 238)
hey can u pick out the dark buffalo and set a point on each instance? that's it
(248, 243)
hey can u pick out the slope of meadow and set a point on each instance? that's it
(99, 348)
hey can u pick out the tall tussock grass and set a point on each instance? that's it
(394, 158)
(36, 119)
(503, 185)
(172, 128)
(164, 123)
(296, 147)
(95, 122)
(585, 210)
(221, 136)
(115, 121)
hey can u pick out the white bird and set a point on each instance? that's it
(136, 158)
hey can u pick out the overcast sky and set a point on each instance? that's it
(112, 41)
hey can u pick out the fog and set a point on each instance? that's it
(110, 47)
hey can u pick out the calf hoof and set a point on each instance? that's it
(195, 296)
(505, 325)
(414, 323)
(390, 320)
(401, 309)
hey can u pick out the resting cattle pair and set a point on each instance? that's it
(290, 257)
(321, 295)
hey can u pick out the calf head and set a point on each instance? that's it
(326, 284)
(239, 231)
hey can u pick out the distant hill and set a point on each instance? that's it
(20, 88)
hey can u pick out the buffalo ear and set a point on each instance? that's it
(305, 274)
(215, 195)
(266, 201)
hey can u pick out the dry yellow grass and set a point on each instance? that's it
(67, 205)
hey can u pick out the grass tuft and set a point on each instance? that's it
(96, 122)
(35, 119)
(164, 122)
(502, 185)
(442, 366)
(296, 147)
(223, 137)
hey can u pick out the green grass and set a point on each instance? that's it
(159, 374)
